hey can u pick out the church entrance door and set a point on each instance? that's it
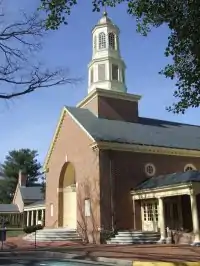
(69, 208)
(150, 215)
(67, 197)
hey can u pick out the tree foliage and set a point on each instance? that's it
(21, 71)
(183, 19)
(16, 160)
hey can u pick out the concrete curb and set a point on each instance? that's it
(162, 263)
(114, 261)
(122, 262)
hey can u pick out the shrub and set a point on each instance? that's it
(32, 228)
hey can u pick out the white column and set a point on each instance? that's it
(43, 217)
(36, 219)
(27, 218)
(161, 219)
(32, 217)
(134, 218)
(195, 218)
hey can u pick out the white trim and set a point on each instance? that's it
(38, 207)
(189, 165)
(77, 122)
(145, 149)
(162, 192)
(109, 94)
(153, 169)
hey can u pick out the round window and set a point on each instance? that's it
(189, 167)
(150, 169)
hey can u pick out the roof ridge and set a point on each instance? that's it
(168, 121)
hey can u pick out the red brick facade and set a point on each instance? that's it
(106, 177)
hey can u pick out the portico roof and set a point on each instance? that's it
(183, 183)
(169, 180)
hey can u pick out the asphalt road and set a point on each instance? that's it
(33, 261)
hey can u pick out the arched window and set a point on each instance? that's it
(115, 72)
(111, 40)
(102, 40)
(51, 209)
(189, 167)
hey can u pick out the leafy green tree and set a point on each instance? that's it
(183, 19)
(16, 160)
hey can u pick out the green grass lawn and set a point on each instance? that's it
(13, 232)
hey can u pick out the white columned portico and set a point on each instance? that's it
(32, 217)
(42, 216)
(36, 219)
(27, 218)
(195, 218)
(161, 219)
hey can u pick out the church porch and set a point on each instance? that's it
(170, 203)
(34, 214)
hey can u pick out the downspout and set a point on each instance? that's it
(111, 191)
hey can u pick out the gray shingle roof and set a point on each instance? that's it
(146, 132)
(31, 193)
(8, 208)
(170, 180)
(36, 203)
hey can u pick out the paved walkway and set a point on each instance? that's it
(140, 252)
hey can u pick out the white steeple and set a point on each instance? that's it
(106, 69)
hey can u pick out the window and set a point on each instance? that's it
(91, 76)
(189, 167)
(102, 40)
(87, 207)
(111, 40)
(51, 209)
(101, 72)
(150, 212)
(115, 72)
(95, 42)
(123, 76)
(150, 169)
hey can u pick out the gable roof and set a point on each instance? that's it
(169, 180)
(8, 208)
(31, 193)
(147, 131)
(56, 134)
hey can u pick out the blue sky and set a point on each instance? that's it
(30, 121)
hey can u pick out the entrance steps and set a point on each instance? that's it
(54, 234)
(134, 237)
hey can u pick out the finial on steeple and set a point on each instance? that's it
(105, 11)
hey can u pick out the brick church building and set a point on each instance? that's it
(109, 169)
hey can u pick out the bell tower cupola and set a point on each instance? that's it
(106, 69)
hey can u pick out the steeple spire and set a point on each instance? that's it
(105, 14)
(107, 68)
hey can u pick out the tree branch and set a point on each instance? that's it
(20, 70)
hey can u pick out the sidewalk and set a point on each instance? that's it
(159, 253)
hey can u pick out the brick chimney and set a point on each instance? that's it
(22, 178)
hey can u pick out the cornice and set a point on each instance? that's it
(55, 137)
(106, 58)
(108, 94)
(145, 149)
